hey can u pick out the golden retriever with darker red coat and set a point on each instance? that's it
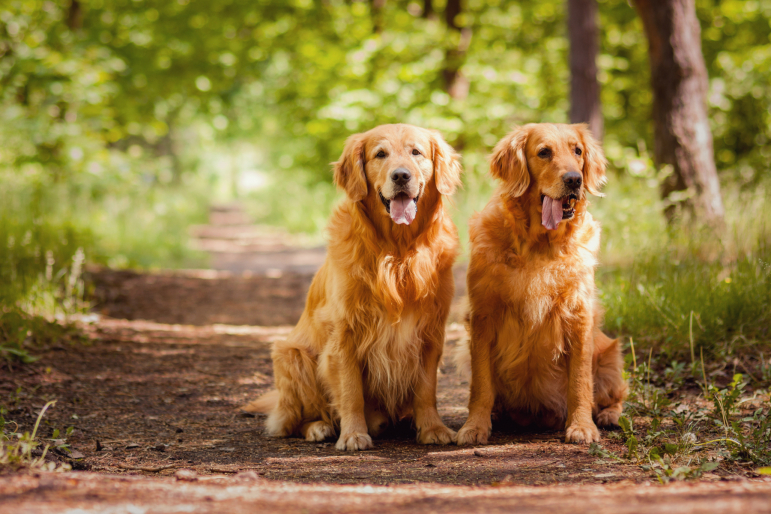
(536, 351)
(367, 347)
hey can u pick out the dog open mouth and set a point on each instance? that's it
(556, 210)
(401, 207)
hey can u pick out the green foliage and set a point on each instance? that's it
(21, 450)
(725, 400)
(682, 439)
(297, 77)
(629, 437)
(684, 300)
(41, 263)
(753, 434)
(666, 471)
(21, 333)
(31, 248)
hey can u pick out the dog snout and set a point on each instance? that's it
(572, 179)
(401, 176)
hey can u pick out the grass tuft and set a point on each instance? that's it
(23, 450)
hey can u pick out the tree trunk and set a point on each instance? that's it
(428, 9)
(169, 146)
(75, 16)
(455, 84)
(683, 138)
(583, 33)
(378, 21)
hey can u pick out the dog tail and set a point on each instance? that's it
(297, 396)
(264, 404)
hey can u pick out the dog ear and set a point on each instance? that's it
(508, 161)
(594, 161)
(349, 169)
(447, 167)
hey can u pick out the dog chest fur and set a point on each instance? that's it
(388, 351)
(544, 295)
(392, 361)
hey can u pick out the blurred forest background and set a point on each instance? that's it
(122, 121)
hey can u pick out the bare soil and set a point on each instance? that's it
(155, 411)
(156, 395)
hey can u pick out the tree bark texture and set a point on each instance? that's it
(683, 138)
(583, 33)
(455, 84)
(75, 16)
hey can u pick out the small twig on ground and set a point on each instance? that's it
(222, 470)
(540, 466)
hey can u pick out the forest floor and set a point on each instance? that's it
(153, 397)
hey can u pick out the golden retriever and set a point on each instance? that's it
(536, 350)
(367, 347)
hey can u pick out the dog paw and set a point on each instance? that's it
(318, 431)
(608, 417)
(436, 435)
(471, 434)
(582, 433)
(354, 441)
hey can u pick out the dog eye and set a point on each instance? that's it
(415, 151)
(578, 151)
(545, 153)
(380, 154)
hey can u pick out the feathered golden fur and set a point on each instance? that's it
(367, 347)
(536, 350)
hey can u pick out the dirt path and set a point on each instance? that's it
(162, 400)
(89, 492)
(153, 399)
(157, 395)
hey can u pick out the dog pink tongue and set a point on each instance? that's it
(551, 214)
(403, 210)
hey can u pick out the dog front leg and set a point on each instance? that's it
(429, 425)
(345, 379)
(477, 428)
(580, 426)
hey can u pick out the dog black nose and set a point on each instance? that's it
(401, 176)
(572, 179)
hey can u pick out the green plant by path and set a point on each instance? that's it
(22, 450)
(685, 437)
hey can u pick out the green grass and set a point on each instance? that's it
(23, 450)
(683, 290)
(48, 234)
(670, 301)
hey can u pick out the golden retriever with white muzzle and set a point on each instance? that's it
(367, 347)
(536, 350)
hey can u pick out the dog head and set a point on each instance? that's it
(552, 166)
(399, 165)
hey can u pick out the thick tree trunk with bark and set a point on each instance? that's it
(683, 138)
(583, 33)
(75, 16)
(428, 9)
(455, 84)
